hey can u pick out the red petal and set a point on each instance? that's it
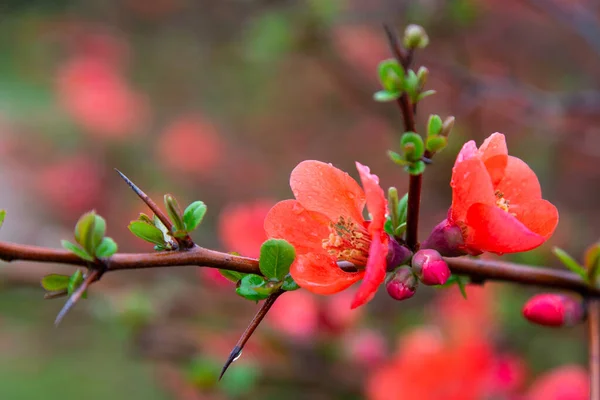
(304, 229)
(323, 188)
(468, 151)
(495, 230)
(540, 216)
(494, 154)
(375, 270)
(471, 184)
(320, 274)
(376, 201)
(520, 184)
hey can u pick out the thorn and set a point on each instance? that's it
(71, 301)
(149, 202)
(260, 315)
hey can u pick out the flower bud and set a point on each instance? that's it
(401, 284)
(446, 239)
(550, 309)
(429, 266)
(415, 37)
(397, 255)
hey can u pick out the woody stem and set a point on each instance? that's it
(594, 347)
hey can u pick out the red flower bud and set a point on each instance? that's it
(447, 239)
(397, 255)
(553, 310)
(402, 284)
(430, 267)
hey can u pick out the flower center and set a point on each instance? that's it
(348, 241)
(501, 202)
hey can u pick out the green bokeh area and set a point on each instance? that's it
(82, 358)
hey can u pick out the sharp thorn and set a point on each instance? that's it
(235, 353)
(71, 301)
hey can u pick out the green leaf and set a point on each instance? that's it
(411, 85)
(416, 168)
(397, 158)
(384, 96)
(412, 146)
(75, 281)
(147, 232)
(436, 143)
(391, 75)
(193, 215)
(233, 276)
(402, 208)
(249, 287)
(276, 256)
(400, 230)
(77, 250)
(99, 231)
(388, 227)
(2, 216)
(289, 284)
(570, 262)
(434, 125)
(55, 282)
(592, 261)
(461, 287)
(107, 248)
(175, 216)
(424, 94)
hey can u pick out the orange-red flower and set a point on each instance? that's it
(497, 200)
(325, 224)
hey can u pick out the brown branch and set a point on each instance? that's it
(594, 347)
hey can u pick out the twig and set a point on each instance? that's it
(594, 347)
(260, 315)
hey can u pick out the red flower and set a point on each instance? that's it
(325, 224)
(551, 309)
(568, 382)
(497, 200)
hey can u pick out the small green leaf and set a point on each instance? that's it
(384, 96)
(412, 146)
(391, 75)
(55, 282)
(434, 125)
(416, 168)
(147, 232)
(592, 261)
(570, 262)
(276, 256)
(2, 216)
(411, 84)
(77, 250)
(193, 215)
(397, 158)
(75, 281)
(175, 216)
(233, 276)
(436, 143)
(400, 230)
(249, 286)
(289, 284)
(424, 94)
(461, 287)
(402, 208)
(388, 227)
(107, 248)
(99, 231)
(84, 231)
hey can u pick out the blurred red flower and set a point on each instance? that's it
(569, 382)
(241, 226)
(429, 368)
(95, 94)
(296, 314)
(190, 144)
(497, 200)
(362, 47)
(71, 186)
(366, 347)
(325, 225)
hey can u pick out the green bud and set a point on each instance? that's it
(436, 143)
(415, 37)
(422, 75)
(391, 75)
(447, 126)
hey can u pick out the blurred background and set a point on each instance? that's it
(218, 101)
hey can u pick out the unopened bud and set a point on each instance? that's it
(422, 75)
(429, 266)
(174, 215)
(402, 284)
(447, 126)
(415, 37)
(556, 310)
(446, 239)
(397, 255)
